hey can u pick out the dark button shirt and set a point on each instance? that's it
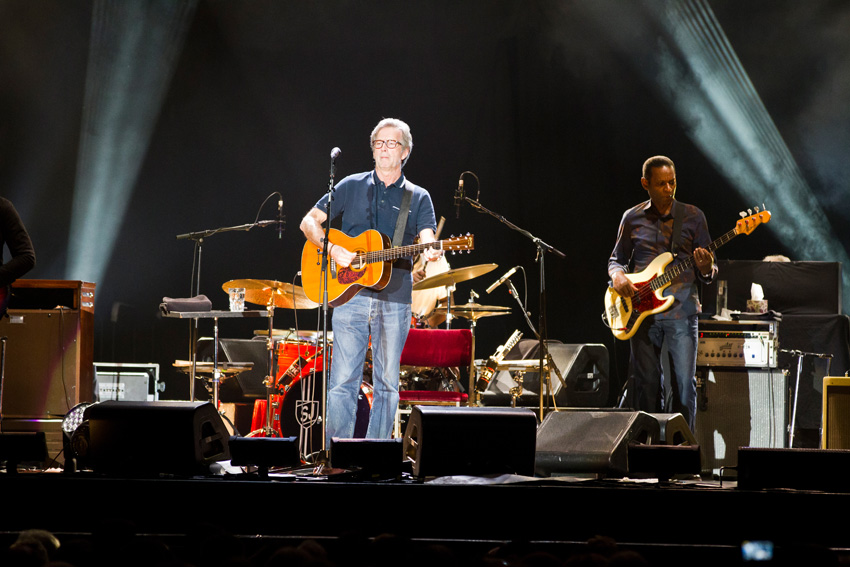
(15, 237)
(366, 203)
(645, 233)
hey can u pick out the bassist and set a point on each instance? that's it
(646, 231)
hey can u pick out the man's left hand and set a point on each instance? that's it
(704, 260)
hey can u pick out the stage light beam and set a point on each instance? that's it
(133, 50)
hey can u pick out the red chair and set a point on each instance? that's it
(434, 348)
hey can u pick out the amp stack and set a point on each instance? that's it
(742, 396)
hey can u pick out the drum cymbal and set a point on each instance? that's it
(474, 311)
(452, 277)
(271, 292)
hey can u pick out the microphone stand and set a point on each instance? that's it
(195, 288)
(325, 268)
(542, 249)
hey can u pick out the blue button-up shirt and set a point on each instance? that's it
(645, 233)
(366, 203)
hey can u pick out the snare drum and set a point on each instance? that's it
(295, 359)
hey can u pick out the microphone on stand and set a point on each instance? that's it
(335, 153)
(501, 280)
(280, 220)
(459, 196)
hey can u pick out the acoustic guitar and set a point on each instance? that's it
(371, 268)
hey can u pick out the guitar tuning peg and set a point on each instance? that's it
(743, 214)
(750, 211)
(757, 209)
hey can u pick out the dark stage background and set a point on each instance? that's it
(532, 96)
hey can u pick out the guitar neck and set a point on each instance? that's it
(388, 254)
(688, 263)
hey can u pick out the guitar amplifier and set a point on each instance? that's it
(733, 344)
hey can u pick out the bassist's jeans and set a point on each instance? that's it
(647, 374)
(388, 323)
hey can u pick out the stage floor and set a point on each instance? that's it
(661, 519)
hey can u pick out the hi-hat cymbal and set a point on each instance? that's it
(452, 277)
(474, 311)
(271, 292)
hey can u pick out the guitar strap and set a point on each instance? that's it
(678, 215)
(401, 222)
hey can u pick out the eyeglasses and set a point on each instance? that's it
(391, 144)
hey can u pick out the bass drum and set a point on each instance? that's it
(296, 413)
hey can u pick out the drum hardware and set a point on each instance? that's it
(271, 294)
(489, 368)
(455, 276)
(450, 279)
(518, 368)
(295, 336)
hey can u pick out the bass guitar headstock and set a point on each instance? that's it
(749, 220)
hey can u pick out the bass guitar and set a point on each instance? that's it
(623, 315)
(371, 268)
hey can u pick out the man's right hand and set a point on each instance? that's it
(342, 256)
(622, 285)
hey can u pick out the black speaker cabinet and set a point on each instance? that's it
(739, 408)
(442, 441)
(836, 413)
(146, 438)
(592, 441)
(800, 469)
(584, 368)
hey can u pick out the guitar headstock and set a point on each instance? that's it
(749, 220)
(459, 243)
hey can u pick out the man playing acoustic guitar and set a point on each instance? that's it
(372, 200)
(647, 230)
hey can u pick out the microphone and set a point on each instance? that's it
(335, 153)
(501, 280)
(459, 196)
(280, 219)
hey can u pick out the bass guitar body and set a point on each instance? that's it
(625, 314)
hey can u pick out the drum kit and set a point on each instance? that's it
(296, 354)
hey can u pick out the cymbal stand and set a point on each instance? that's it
(542, 249)
(271, 400)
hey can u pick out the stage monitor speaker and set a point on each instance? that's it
(674, 429)
(264, 452)
(245, 386)
(592, 441)
(584, 368)
(131, 439)
(369, 459)
(836, 413)
(799, 469)
(442, 441)
(739, 408)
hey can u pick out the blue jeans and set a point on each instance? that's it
(388, 324)
(649, 380)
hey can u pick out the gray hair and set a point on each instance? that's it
(406, 136)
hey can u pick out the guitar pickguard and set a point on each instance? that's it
(347, 276)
